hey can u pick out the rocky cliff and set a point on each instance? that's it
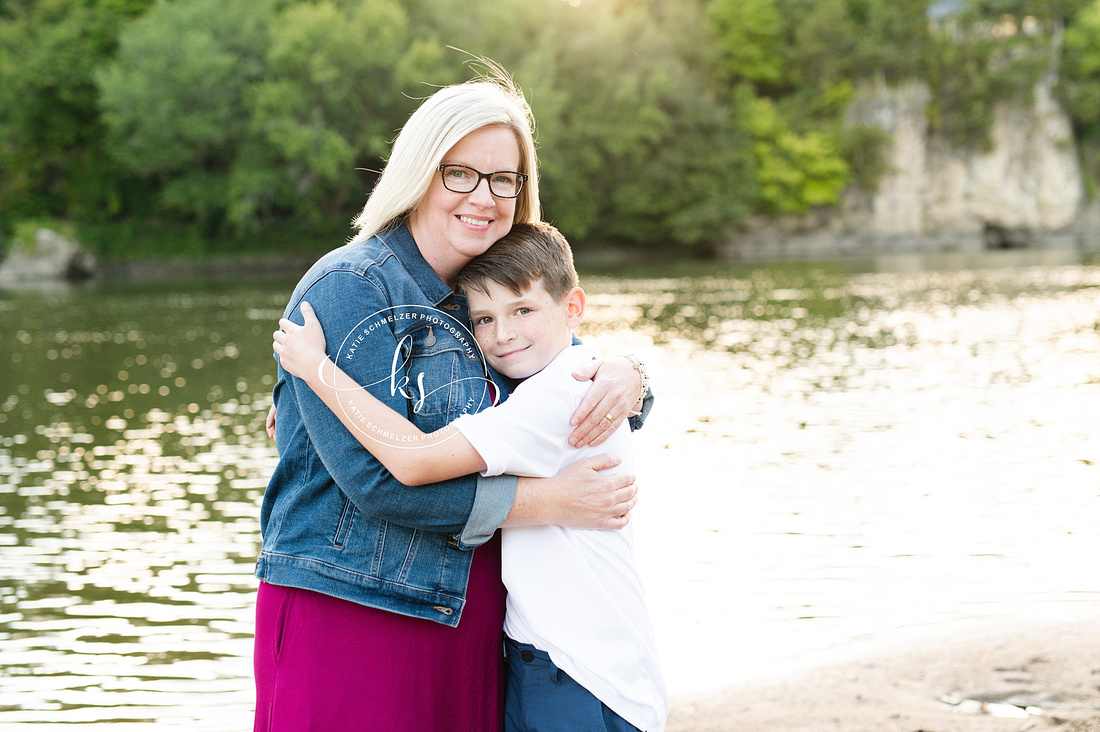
(1027, 190)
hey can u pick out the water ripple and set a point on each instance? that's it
(834, 453)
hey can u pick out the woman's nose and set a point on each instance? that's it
(481, 195)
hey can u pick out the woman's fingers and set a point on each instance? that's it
(609, 401)
(583, 496)
(626, 495)
(618, 495)
(589, 420)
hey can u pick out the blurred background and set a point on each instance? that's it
(689, 128)
(856, 241)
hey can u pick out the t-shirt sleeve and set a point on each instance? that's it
(527, 434)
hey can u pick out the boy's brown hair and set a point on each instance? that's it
(526, 254)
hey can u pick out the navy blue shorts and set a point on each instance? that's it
(540, 697)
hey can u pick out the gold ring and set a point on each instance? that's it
(609, 417)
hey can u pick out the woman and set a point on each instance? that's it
(374, 610)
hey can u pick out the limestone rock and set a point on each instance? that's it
(1026, 191)
(53, 259)
(1028, 182)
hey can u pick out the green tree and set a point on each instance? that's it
(892, 38)
(659, 123)
(635, 147)
(1080, 82)
(823, 40)
(796, 126)
(749, 35)
(175, 98)
(1044, 10)
(796, 172)
(52, 160)
(987, 55)
(1079, 85)
(332, 101)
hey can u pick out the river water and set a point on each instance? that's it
(840, 451)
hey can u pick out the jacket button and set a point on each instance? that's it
(444, 610)
(527, 656)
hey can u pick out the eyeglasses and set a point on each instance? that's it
(462, 179)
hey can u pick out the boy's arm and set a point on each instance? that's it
(412, 456)
(579, 496)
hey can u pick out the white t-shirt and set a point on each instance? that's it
(574, 593)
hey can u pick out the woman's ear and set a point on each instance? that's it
(574, 301)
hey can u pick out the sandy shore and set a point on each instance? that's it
(975, 676)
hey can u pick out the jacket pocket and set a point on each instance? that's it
(430, 381)
(397, 556)
(343, 526)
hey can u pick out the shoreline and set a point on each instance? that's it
(592, 263)
(971, 676)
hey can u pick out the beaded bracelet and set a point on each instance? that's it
(640, 368)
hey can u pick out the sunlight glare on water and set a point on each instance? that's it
(131, 464)
(835, 455)
(838, 458)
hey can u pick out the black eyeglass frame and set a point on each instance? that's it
(521, 178)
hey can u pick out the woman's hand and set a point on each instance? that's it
(579, 496)
(610, 402)
(301, 348)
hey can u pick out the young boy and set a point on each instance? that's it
(580, 648)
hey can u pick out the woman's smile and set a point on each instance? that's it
(479, 223)
(452, 228)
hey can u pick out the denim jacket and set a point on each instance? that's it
(333, 519)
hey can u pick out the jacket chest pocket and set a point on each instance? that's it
(437, 369)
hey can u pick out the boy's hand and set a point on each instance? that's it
(269, 423)
(610, 402)
(301, 348)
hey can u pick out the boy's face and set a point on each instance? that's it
(521, 334)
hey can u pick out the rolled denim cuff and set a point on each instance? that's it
(492, 502)
(638, 419)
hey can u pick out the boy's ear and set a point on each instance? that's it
(574, 301)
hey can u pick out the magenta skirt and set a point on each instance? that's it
(322, 663)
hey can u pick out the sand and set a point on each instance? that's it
(987, 676)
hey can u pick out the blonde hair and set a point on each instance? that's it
(435, 127)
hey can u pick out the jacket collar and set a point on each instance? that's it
(400, 241)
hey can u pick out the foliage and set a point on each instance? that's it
(1079, 87)
(659, 159)
(51, 139)
(25, 232)
(1080, 82)
(821, 44)
(796, 172)
(988, 56)
(865, 148)
(330, 101)
(892, 38)
(175, 98)
(660, 123)
(750, 40)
